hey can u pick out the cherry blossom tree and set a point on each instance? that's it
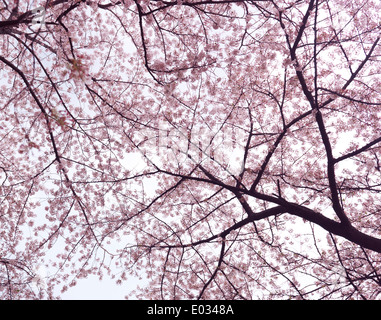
(222, 149)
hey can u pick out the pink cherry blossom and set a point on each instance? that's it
(219, 149)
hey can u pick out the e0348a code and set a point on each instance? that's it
(218, 309)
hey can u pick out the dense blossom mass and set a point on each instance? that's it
(220, 149)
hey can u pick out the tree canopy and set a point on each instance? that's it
(222, 149)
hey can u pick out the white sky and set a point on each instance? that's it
(94, 289)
